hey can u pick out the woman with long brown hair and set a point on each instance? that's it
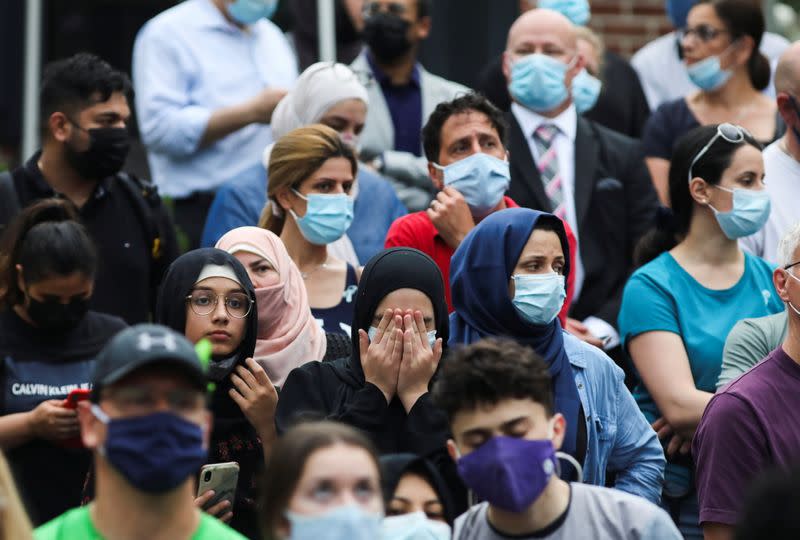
(309, 206)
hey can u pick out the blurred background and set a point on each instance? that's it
(466, 35)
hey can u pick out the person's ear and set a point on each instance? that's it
(284, 198)
(90, 426)
(578, 63)
(781, 282)
(423, 30)
(437, 176)
(743, 49)
(559, 430)
(786, 109)
(507, 66)
(60, 127)
(208, 422)
(700, 191)
(452, 450)
(20, 281)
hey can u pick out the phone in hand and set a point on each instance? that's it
(71, 402)
(222, 478)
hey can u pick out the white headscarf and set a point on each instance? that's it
(319, 87)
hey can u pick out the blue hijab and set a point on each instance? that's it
(480, 271)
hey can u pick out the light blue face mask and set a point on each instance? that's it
(707, 74)
(585, 91)
(749, 213)
(327, 217)
(577, 11)
(344, 523)
(537, 82)
(431, 335)
(250, 11)
(414, 526)
(482, 180)
(539, 297)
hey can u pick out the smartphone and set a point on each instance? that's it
(71, 402)
(75, 397)
(222, 478)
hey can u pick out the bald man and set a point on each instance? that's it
(782, 161)
(591, 176)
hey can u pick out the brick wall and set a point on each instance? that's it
(626, 25)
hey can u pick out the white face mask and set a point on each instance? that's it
(431, 335)
(414, 526)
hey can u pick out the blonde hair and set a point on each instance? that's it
(295, 157)
(14, 522)
(583, 33)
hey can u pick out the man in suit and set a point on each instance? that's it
(588, 175)
(402, 95)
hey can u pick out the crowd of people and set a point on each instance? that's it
(365, 302)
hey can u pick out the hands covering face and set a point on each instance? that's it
(399, 360)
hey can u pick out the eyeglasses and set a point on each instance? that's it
(788, 266)
(731, 133)
(394, 8)
(238, 305)
(703, 32)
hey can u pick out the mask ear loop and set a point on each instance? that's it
(573, 462)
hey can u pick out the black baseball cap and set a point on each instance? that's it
(145, 345)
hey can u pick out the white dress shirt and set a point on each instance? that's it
(564, 141)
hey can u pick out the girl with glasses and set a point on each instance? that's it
(720, 45)
(207, 295)
(694, 285)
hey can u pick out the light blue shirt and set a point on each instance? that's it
(188, 62)
(619, 438)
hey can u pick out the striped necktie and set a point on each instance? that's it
(548, 168)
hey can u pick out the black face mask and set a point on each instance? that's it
(108, 148)
(387, 37)
(53, 316)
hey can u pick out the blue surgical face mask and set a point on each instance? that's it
(250, 11)
(482, 180)
(749, 213)
(577, 11)
(585, 91)
(431, 335)
(327, 217)
(155, 453)
(537, 82)
(349, 522)
(539, 297)
(707, 74)
(414, 526)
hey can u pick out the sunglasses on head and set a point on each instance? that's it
(732, 133)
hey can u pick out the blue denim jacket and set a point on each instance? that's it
(619, 438)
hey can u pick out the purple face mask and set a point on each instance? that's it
(508, 472)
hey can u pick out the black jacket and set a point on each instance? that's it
(338, 391)
(615, 203)
(131, 266)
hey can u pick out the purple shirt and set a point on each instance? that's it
(749, 426)
(405, 107)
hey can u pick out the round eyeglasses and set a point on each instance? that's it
(238, 305)
(732, 133)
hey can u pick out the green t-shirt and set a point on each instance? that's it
(77, 525)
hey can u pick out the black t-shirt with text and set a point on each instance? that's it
(36, 367)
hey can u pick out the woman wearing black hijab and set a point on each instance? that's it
(191, 301)
(402, 497)
(399, 331)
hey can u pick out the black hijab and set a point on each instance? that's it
(386, 272)
(171, 311)
(394, 466)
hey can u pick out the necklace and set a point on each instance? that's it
(305, 275)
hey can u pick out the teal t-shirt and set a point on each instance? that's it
(662, 296)
(77, 523)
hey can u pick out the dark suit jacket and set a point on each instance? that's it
(615, 204)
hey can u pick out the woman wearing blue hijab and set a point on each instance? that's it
(507, 280)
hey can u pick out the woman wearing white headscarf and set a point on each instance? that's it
(330, 94)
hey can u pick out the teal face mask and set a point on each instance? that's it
(585, 91)
(482, 180)
(577, 11)
(749, 213)
(250, 11)
(539, 297)
(327, 217)
(537, 82)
